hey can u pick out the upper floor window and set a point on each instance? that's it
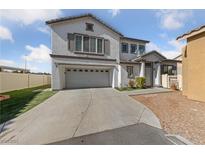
(141, 49)
(78, 42)
(133, 48)
(124, 47)
(130, 71)
(89, 27)
(92, 44)
(86, 44)
(89, 44)
(99, 45)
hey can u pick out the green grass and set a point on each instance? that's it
(21, 101)
(127, 89)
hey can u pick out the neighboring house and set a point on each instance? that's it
(193, 64)
(172, 76)
(13, 69)
(86, 52)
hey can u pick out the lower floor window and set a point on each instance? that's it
(130, 71)
(169, 69)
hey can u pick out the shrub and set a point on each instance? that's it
(140, 82)
(131, 83)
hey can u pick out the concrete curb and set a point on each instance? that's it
(149, 118)
(2, 127)
(149, 92)
(178, 140)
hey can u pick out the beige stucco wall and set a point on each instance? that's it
(193, 68)
(14, 81)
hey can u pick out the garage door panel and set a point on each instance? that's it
(84, 78)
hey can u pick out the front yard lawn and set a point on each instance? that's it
(22, 100)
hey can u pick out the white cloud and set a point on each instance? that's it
(38, 54)
(5, 34)
(114, 12)
(172, 53)
(174, 19)
(176, 44)
(5, 62)
(44, 30)
(163, 36)
(27, 17)
(152, 46)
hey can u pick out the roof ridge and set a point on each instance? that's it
(135, 39)
(62, 19)
(191, 31)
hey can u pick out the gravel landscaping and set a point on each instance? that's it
(177, 114)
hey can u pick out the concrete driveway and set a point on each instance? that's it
(74, 113)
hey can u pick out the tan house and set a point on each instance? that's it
(193, 64)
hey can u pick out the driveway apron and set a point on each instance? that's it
(73, 113)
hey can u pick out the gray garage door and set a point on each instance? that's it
(87, 78)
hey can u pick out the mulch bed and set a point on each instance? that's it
(4, 97)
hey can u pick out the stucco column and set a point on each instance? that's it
(55, 76)
(114, 77)
(119, 76)
(158, 75)
(142, 69)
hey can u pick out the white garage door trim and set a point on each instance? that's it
(87, 78)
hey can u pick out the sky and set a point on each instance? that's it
(24, 35)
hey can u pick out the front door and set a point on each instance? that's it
(148, 75)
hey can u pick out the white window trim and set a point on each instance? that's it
(96, 50)
(132, 74)
(124, 43)
(136, 48)
(96, 45)
(139, 48)
(102, 45)
(81, 42)
(88, 44)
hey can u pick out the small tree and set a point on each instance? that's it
(140, 82)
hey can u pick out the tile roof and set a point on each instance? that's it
(82, 16)
(97, 19)
(188, 33)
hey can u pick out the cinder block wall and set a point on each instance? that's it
(16, 81)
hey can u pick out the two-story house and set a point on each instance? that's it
(87, 52)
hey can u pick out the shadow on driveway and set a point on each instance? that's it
(138, 134)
